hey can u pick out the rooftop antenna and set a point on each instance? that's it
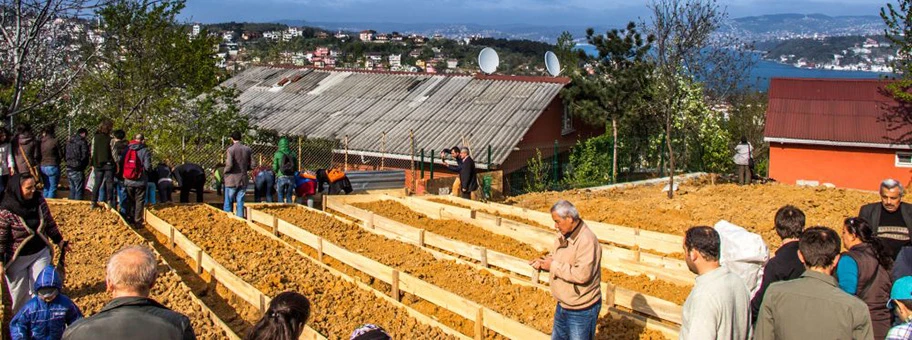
(552, 64)
(488, 60)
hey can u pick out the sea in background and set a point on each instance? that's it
(764, 70)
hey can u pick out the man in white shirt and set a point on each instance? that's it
(718, 307)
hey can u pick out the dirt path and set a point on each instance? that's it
(338, 306)
(94, 236)
(752, 207)
(477, 236)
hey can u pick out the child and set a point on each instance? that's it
(47, 314)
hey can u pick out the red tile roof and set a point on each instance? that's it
(835, 111)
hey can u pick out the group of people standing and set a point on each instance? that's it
(467, 182)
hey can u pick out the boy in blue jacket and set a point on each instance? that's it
(47, 314)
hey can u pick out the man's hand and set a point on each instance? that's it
(546, 263)
(536, 263)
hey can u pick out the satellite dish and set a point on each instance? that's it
(552, 64)
(488, 60)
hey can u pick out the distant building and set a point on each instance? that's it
(228, 36)
(382, 38)
(341, 36)
(438, 36)
(295, 32)
(250, 35)
(451, 63)
(195, 31)
(321, 52)
(396, 37)
(415, 53)
(366, 36)
(376, 57)
(870, 43)
(322, 35)
(395, 60)
(272, 35)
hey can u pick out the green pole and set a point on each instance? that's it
(489, 156)
(432, 164)
(555, 165)
(422, 163)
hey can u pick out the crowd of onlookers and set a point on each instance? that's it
(810, 288)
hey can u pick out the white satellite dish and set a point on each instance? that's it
(552, 64)
(488, 60)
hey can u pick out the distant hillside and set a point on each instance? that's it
(781, 26)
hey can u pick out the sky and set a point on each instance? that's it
(489, 12)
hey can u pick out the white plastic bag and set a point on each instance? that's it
(743, 252)
(90, 180)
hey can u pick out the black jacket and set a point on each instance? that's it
(189, 174)
(134, 318)
(871, 213)
(782, 267)
(467, 177)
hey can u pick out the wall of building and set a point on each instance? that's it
(857, 168)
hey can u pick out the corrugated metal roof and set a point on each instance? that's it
(835, 110)
(441, 110)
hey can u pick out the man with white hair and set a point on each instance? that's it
(130, 276)
(890, 218)
(575, 274)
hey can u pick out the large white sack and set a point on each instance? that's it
(743, 252)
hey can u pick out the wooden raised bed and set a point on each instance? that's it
(623, 297)
(123, 223)
(625, 236)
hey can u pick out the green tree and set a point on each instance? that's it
(149, 69)
(618, 83)
(566, 54)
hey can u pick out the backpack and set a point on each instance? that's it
(288, 166)
(132, 165)
(76, 157)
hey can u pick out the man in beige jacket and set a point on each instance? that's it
(575, 275)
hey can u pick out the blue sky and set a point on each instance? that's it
(535, 12)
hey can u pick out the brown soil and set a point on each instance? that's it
(525, 304)
(752, 207)
(531, 223)
(338, 306)
(475, 235)
(94, 236)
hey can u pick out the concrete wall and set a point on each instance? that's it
(857, 168)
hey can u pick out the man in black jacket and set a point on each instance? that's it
(468, 179)
(190, 176)
(77, 160)
(785, 265)
(131, 273)
(890, 218)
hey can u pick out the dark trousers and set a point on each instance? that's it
(136, 202)
(744, 174)
(104, 176)
(197, 185)
(165, 188)
(264, 187)
(77, 183)
(465, 194)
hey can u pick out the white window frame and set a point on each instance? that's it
(567, 122)
(899, 164)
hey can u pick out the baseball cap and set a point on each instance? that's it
(902, 290)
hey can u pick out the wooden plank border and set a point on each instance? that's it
(205, 309)
(406, 283)
(638, 302)
(626, 236)
(614, 258)
(625, 297)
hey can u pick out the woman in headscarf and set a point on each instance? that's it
(27, 231)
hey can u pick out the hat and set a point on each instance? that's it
(902, 290)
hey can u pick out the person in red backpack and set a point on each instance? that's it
(137, 164)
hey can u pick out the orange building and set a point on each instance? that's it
(850, 133)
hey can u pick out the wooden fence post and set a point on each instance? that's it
(199, 261)
(421, 237)
(320, 249)
(275, 226)
(484, 257)
(173, 244)
(395, 285)
(498, 221)
(479, 324)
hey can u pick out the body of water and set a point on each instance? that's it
(764, 70)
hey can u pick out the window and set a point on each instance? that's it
(567, 122)
(904, 159)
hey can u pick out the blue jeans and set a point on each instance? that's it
(50, 175)
(264, 186)
(575, 324)
(150, 193)
(286, 186)
(235, 195)
(77, 184)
